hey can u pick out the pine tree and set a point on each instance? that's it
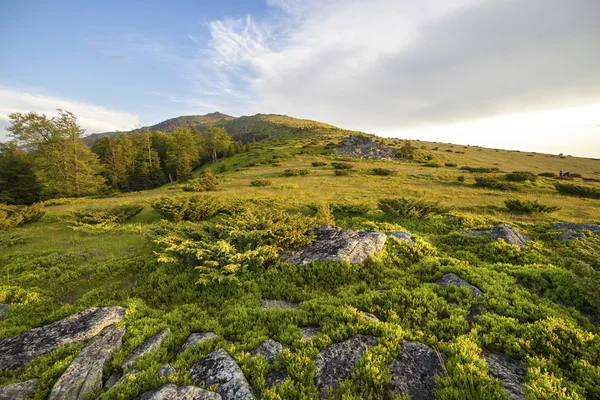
(18, 182)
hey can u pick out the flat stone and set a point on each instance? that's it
(218, 368)
(476, 233)
(3, 308)
(371, 317)
(453, 279)
(402, 236)
(275, 378)
(84, 375)
(165, 371)
(174, 392)
(197, 337)
(336, 244)
(309, 332)
(18, 351)
(269, 349)
(510, 371)
(570, 234)
(414, 371)
(18, 391)
(266, 304)
(336, 362)
(574, 226)
(147, 347)
(509, 234)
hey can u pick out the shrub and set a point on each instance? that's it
(578, 190)
(529, 207)
(180, 208)
(296, 172)
(325, 215)
(492, 183)
(411, 208)
(449, 164)
(482, 170)
(260, 182)
(548, 174)
(341, 172)
(222, 168)
(432, 165)
(383, 171)
(341, 165)
(114, 215)
(350, 209)
(318, 163)
(521, 176)
(591, 179)
(460, 178)
(207, 183)
(13, 216)
(575, 175)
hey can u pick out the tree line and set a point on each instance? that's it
(47, 158)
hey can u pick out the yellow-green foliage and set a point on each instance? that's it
(411, 208)
(113, 215)
(184, 208)
(13, 216)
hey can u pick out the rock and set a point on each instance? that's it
(356, 146)
(414, 371)
(509, 234)
(165, 371)
(371, 316)
(197, 337)
(510, 371)
(112, 383)
(84, 375)
(336, 244)
(18, 391)
(570, 234)
(218, 368)
(309, 332)
(453, 279)
(266, 304)
(424, 176)
(269, 349)
(3, 308)
(335, 363)
(275, 378)
(19, 350)
(148, 346)
(174, 392)
(574, 226)
(476, 233)
(402, 236)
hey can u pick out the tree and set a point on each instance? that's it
(18, 182)
(214, 142)
(115, 168)
(182, 153)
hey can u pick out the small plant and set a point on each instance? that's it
(341, 165)
(341, 172)
(222, 168)
(578, 190)
(207, 183)
(492, 183)
(114, 215)
(460, 178)
(260, 182)
(383, 171)
(432, 165)
(548, 174)
(411, 208)
(529, 207)
(351, 210)
(318, 163)
(325, 214)
(481, 170)
(521, 176)
(449, 164)
(296, 172)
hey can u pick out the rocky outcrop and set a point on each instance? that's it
(570, 234)
(453, 279)
(402, 236)
(218, 368)
(336, 244)
(19, 350)
(197, 337)
(275, 378)
(502, 231)
(165, 371)
(510, 371)
(267, 304)
(309, 332)
(356, 146)
(3, 308)
(174, 392)
(269, 349)
(148, 346)
(115, 379)
(336, 362)
(574, 226)
(18, 391)
(84, 375)
(414, 371)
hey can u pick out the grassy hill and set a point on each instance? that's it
(540, 305)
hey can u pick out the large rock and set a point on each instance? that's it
(84, 375)
(18, 391)
(574, 226)
(197, 337)
(269, 349)
(336, 244)
(356, 146)
(509, 234)
(165, 371)
(275, 378)
(115, 379)
(19, 350)
(510, 371)
(336, 362)
(148, 346)
(3, 308)
(453, 279)
(218, 368)
(414, 371)
(400, 235)
(173, 392)
(570, 234)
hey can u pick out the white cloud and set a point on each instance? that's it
(90, 117)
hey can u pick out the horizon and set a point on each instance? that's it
(488, 73)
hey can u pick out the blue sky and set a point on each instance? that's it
(498, 73)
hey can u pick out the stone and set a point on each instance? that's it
(570, 234)
(336, 362)
(453, 279)
(509, 234)
(197, 337)
(371, 317)
(18, 351)
(148, 346)
(218, 368)
(336, 244)
(476, 233)
(309, 332)
(579, 227)
(402, 236)
(174, 392)
(356, 146)
(275, 378)
(112, 383)
(18, 391)
(414, 371)
(3, 308)
(269, 349)
(426, 176)
(84, 375)
(165, 371)
(510, 371)
(266, 304)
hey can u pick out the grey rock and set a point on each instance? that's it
(336, 244)
(3, 308)
(111, 383)
(453, 279)
(218, 368)
(356, 146)
(414, 371)
(18, 391)
(174, 392)
(509, 234)
(84, 375)
(148, 346)
(275, 378)
(476, 233)
(269, 349)
(19, 350)
(574, 226)
(371, 317)
(197, 337)
(309, 332)
(336, 362)
(402, 236)
(165, 371)
(267, 304)
(570, 234)
(426, 176)
(510, 371)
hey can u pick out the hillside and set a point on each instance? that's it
(459, 272)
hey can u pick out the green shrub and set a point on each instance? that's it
(350, 210)
(411, 208)
(578, 190)
(114, 215)
(318, 163)
(260, 182)
(492, 183)
(325, 214)
(575, 175)
(521, 176)
(13, 216)
(591, 179)
(548, 174)
(529, 207)
(449, 164)
(460, 178)
(181, 208)
(341, 172)
(383, 171)
(207, 183)
(341, 165)
(482, 170)
(296, 172)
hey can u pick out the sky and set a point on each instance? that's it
(497, 73)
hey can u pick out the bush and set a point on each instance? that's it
(482, 170)
(529, 207)
(449, 164)
(180, 208)
(351, 210)
(383, 171)
(578, 190)
(341, 172)
(260, 182)
(521, 176)
(13, 216)
(411, 208)
(492, 183)
(296, 172)
(460, 178)
(207, 183)
(548, 174)
(114, 215)
(325, 214)
(341, 165)
(318, 163)
(432, 165)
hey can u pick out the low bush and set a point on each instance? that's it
(591, 179)
(492, 183)
(460, 178)
(575, 175)
(181, 208)
(207, 183)
(296, 172)
(341, 172)
(341, 165)
(13, 216)
(411, 208)
(548, 174)
(432, 165)
(113, 215)
(521, 176)
(449, 164)
(529, 207)
(482, 170)
(383, 171)
(351, 210)
(578, 190)
(318, 163)
(260, 182)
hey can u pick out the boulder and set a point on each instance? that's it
(309, 332)
(509, 234)
(336, 244)
(3, 308)
(356, 146)
(414, 371)
(275, 378)
(336, 362)
(84, 375)
(570, 234)
(267, 304)
(19, 350)
(574, 226)
(197, 337)
(174, 392)
(402, 236)
(269, 349)
(453, 279)
(18, 391)
(165, 371)
(218, 368)
(510, 371)
(148, 346)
